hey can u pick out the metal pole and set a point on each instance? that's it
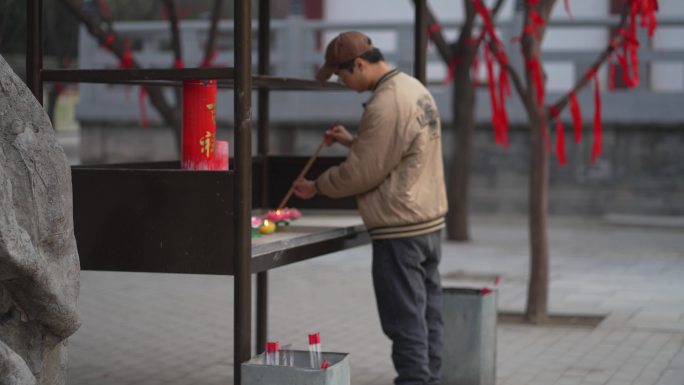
(34, 48)
(420, 41)
(263, 150)
(243, 186)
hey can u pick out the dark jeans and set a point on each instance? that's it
(409, 299)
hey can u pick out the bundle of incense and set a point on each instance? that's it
(272, 349)
(287, 356)
(315, 350)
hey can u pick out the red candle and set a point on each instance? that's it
(198, 146)
(220, 159)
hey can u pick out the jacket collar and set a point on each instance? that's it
(384, 77)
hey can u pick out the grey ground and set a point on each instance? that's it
(177, 329)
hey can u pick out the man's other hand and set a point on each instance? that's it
(338, 134)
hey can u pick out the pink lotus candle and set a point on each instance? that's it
(277, 215)
(256, 222)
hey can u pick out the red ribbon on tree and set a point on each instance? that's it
(560, 142)
(207, 62)
(434, 28)
(504, 91)
(576, 114)
(109, 40)
(127, 58)
(536, 21)
(646, 9)
(486, 19)
(451, 70)
(598, 140)
(499, 116)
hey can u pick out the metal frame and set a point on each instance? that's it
(242, 81)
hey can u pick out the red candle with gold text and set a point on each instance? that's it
(198, 144)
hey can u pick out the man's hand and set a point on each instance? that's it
(338, 134)
(304, 188)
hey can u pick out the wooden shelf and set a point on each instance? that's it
(173, 78)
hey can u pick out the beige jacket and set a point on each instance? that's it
(395, 163)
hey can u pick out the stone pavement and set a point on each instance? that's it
(177, 329)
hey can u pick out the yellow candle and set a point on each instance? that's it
(267, 227)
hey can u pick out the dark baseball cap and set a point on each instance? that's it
(346, 47)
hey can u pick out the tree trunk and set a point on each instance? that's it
(459, 174)
(537, 293)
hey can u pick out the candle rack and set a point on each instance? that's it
(156, 217)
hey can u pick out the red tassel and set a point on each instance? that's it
(141, 102)
(576, 116)
(504, 91)
(634, 53)
(498, 137)
(179, 63)
(109, 40)
(451, 71)
(482, 10)
(560, 142)
(625, 71)
(597, 146)
(207, 62)
(127, 59)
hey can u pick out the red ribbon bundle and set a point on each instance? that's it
(434, 28)
(499, 117)
(598, 130)
(576, 114)
(451, 71)
(487, 20)
(207, 62)
(109, 40)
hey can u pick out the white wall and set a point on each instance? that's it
(666, 76)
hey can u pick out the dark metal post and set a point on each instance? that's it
(243, 185)
(34, 47)
(263, 150)
(420, 41)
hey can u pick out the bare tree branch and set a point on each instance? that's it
(157, 99)
(602, 58)
(175, 34)
(437, 36)
(211, 39)
(175, 40)
(516, 79)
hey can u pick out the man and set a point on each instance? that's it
(395, 169)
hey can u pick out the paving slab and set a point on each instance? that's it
(177, 329)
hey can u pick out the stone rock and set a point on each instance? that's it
(39, 267)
